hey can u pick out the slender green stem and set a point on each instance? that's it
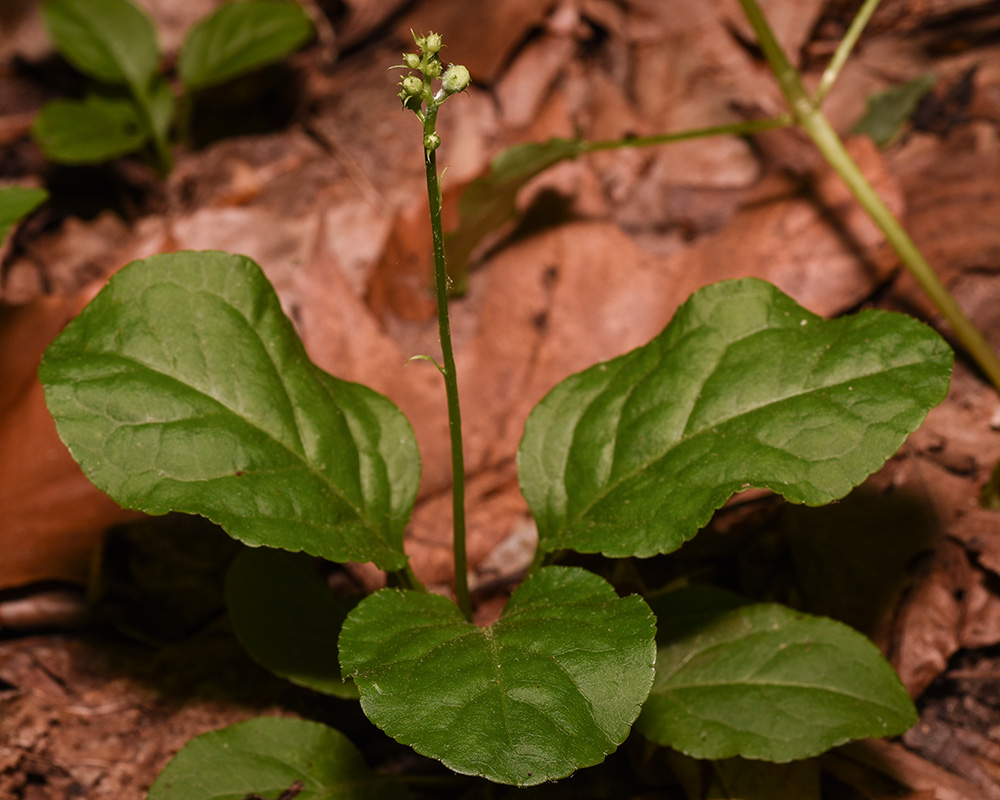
(818, 128)
(450, 385)
(408, 578)
(732, 129)
(161, 148)
(844, 50)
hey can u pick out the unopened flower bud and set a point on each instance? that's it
(432, 69)
(411, 85)
(431, 43)
(456, 79)
(411, 60)
(432, 142)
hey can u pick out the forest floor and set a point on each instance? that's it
(311, 169)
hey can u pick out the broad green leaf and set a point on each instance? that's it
(554, 685)
(271, 758)
(889, 111)
(763, 681)
(240, 37)
(490, 201)
(743, 388)
(88, 132)
(110, 40)
(183, 387)
(17, 202)
(287, 619)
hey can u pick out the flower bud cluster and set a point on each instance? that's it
(416, 90)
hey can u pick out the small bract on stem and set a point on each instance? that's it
(418, 95)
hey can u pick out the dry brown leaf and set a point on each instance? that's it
(882, 759)
(503, 25)
(931, 617)
(53, 517)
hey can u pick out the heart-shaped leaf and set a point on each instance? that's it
(183, 387)
(272, 757)
(94, 130)
(110, 40)
(17, 202)
(743, 388)
(239, 37)
(763, 681)
(287, 618)
(552, 686)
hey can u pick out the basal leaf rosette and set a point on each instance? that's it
(743, 388)
(554, 685)
(763, 681)
(183, 387)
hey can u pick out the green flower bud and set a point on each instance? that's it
(432, 142)
(411, 85)
(432, 69)
(411, 60)
(431, 43)
(456, 79)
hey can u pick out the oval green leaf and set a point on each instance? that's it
(240, 37)
(89, 132)
(110, 40)
(743, 388)
(272, 757)
(763, 681)
(183, 387)
(17, 202)
(554, 685)
(287, 618)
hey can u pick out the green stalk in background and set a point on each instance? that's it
(806, 112)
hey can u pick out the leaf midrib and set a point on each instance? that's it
(688, 435)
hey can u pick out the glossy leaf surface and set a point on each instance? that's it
(183, 387)
(272, 757)
(743, 388)
(240, 37)
(763, 681)
(89, 131)
(110, 40)
(287, 619)
(17, 202)
(554, 685)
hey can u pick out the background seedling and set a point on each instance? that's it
(131, 105)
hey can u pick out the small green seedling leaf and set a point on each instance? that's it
(554, 685)
(763, 681)
(183, 387)
(240, 37)
(287, 619)
(889, 111)
(17, 202)
(490, 201)
(97, 129)
(111, 40)
(743, 388)
(272, 757)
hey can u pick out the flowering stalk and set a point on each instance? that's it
(418, 95)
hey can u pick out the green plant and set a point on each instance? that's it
(183, 386)
(17, 202)
(131, 105)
